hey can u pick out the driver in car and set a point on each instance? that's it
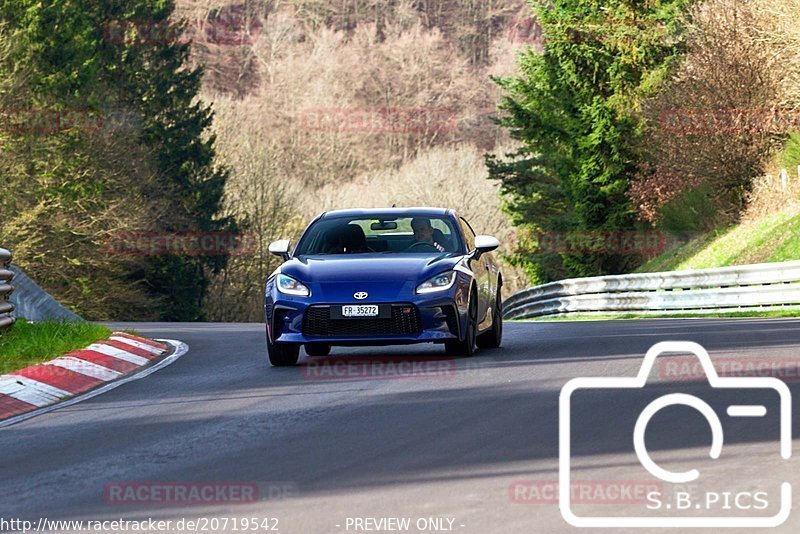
(423, 233)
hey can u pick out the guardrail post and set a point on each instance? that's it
(6, 308)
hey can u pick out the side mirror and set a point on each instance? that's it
(280, 248)
(484, 244)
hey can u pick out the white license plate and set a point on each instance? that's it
(360, 311)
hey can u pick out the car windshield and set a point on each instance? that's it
(376, 234)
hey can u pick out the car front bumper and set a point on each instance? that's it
(431, 319)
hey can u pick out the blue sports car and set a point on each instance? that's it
(384, 277)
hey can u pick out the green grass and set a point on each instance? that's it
(774, 238)
(30, 343)
(722, 315)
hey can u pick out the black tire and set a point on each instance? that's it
(466, 347)
(493, 338)
(283, 354)
(318, 349)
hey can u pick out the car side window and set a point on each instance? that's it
(469, 235)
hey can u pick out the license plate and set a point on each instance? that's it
(360, 311)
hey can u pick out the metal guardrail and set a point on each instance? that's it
(728, 288)
(6, 308)
(34, 303)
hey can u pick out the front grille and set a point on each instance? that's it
(405, 321)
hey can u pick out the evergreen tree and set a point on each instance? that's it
(573, 108)
(125, 60)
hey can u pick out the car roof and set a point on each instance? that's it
(393, 212)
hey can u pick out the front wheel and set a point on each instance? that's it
(466, 346)
(283, 354)
(494, 337)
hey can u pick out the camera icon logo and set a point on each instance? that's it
(744, 384)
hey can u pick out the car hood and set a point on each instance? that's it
(385, 277)
(362, 267)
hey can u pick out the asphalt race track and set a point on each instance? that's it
(462, 447)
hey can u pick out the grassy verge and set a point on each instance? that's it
(30, 343)
(721, 315)
(773, 238)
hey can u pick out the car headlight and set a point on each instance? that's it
(440, 282)
(289, 286)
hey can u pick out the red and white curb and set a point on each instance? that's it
(83, 374)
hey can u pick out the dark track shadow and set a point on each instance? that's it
(474, 430)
